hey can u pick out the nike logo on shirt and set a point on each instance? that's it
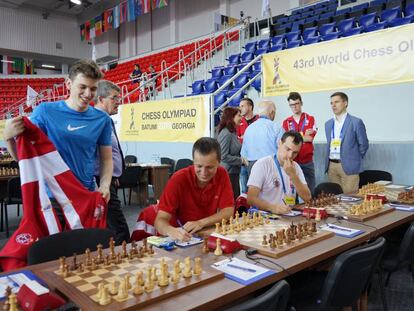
(71, 128)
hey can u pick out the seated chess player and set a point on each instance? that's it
(275, 180)
(197, 196)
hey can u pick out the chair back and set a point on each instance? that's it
(371, 176)
(183, 163)
(130, 177)
(406, 252)
(275, 299)
(131, 159)
(66, 243)
(14, 191)
(170, 162)
(327, 187)
(350, 275)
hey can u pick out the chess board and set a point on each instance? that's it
(341, 209)
(252, 238)
(392, 195)
(82, 288)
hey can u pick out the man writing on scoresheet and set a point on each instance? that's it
(197, 196)
(275, 180)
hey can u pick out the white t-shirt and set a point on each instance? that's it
(265, 176)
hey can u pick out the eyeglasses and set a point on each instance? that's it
(116, 99)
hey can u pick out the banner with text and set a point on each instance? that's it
(175, 120)
(2, 125)
(380, 57)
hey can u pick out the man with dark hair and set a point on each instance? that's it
(275, 180)
(197, 196)
(246, 110)
(347, 144)
(107, 100)
(76, 129)
(304, 124)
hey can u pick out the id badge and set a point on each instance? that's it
(336, 143)
(290, 200)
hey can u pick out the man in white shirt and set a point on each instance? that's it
(275, 180)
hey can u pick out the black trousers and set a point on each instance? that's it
(235, 184)
(115, 219)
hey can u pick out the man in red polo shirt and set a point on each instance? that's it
(197, 196)
(305, 124)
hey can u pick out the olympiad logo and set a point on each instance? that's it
(24, 238)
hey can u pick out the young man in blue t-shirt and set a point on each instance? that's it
(75, 128)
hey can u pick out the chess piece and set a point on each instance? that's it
(12, 302)
(122, 291)
(205, 246)
(264, 242)
(318, 215)
(100, 254)
(150, 250)
(100, 290)
(127, 283)
(7, 294)
(217, 227)
(107, 260)
(66, 272)
(197, 266)
(177, 265)
(145, 244)
(187, 273)
(112, 248)
(114, 287)
(118, 259)
(88, 262)
(218, 251)
(176, 272)
(223, 227)
(163, 279)
(80, 268)
(74, 265)
(61, 264)
(149, 284)
(140, 278)
(231, 228)
(138, 289)
(154, 274)
(105, 297)
(124, 249)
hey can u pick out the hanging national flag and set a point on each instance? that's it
(146, 6)
(82, 32)
(265, 8)
(154, 4)
(31, 97)
(162, 3)
(87, 30)
(131, 10)
(115, 15)
(123, 14)
(138, 8)
(108, 20)
(92, 33)
(98, 25)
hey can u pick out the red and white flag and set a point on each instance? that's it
(41, 164)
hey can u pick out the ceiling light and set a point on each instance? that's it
(78, 2)
(48, 66)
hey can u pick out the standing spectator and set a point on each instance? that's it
(261, 138)
(304, 124)
(248, 117)
(136, 74)
(347, 144)
(231, 146)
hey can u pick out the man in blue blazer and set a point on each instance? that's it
(347, 145)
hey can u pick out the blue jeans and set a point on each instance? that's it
(244, 176)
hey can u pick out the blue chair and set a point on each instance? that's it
(197, 87)
(230, 70)
(235, 102)
(292, 36)
(367, 20)
(409, 10)
(311, 19)
(219, 99)
(352, 32)
(327, 29)
(247, 57)
(309, 32)
(234, 59)
(400, 21)
(311, 40)
(389, 15)
(326, 15)
(346, 24)
(257, 84)
(217, 72)
(261, 51)
(240, 81)
(263, 44)
(294, 44)
(278, 47)
(277, 40)
(377, 2)
(210, 85)
(250, 47)
(223, 80)
(257, 66)
(343, 11)
(296, 26)
(375, 27)
(330, 36)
